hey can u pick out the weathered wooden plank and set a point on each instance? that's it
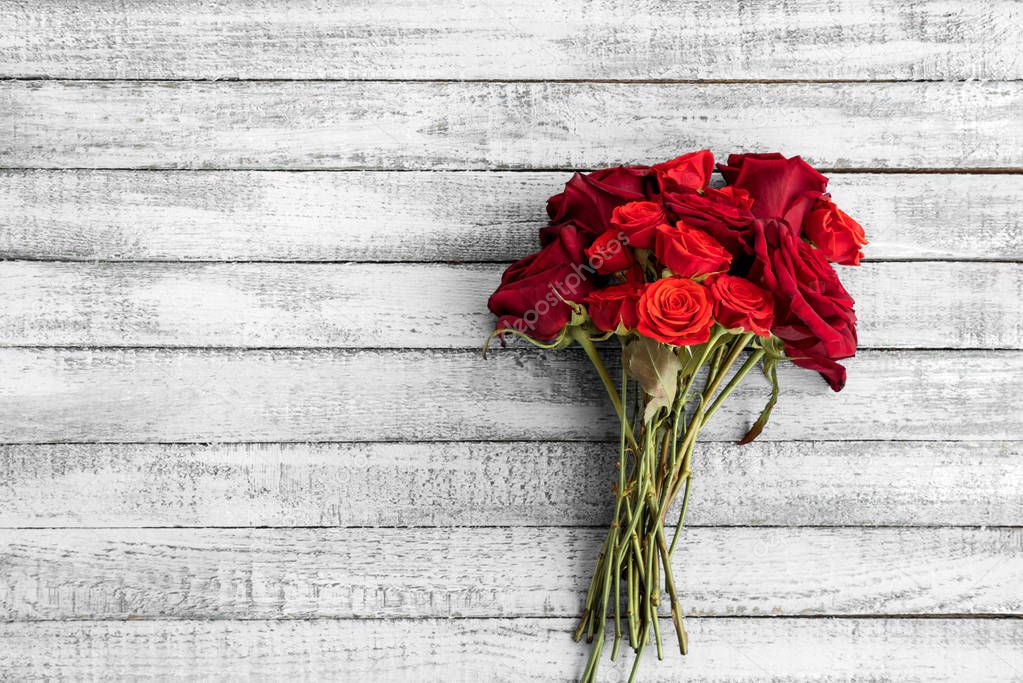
(424, 215)
(402, 39)
(900, 305)
(457, 125)
(470, 484)
(513, 650)
(201, 395)
(498, 571)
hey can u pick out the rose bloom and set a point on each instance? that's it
(689, 252)
(738, 303)
(814, 313)
(526, 300)
(589, 198)
(615, 305)
(677, 311)
(609, 254)
(723, 213)
(837, 235)
(781, 188)
(688, 172)
(638, 220)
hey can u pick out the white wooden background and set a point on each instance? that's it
(246, 428)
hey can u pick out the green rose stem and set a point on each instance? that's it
(619, 497)
(714, 377)
(719, 371)
(636, 545)
(583, 339)
(750, 363)
(669, 491)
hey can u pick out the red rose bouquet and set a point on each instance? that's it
(699, 285)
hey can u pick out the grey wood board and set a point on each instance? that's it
(899, 305)
(426, 215)
(888, 483)
(202, 395)
(497, 125)
(403, 39)
(471, 650)
(496, 571)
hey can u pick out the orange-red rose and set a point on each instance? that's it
(676, 311)
(615, 305)
(837, 235)
(738, 303)
(638, 220)
(689, 252)
(609, 253)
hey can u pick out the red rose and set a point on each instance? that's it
(615, 305)
(589, 199)
(738, 303)
(781, 188)
(814, 313)
(677, 311)
(689, 252)
(688, 172)
(724, 213)
(638, 220)
(837, 235)
(609, 253)
(568, 247)
(526, 299)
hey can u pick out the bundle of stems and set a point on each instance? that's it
(655, 459)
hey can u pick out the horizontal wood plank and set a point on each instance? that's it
(482, 484)
(531, 39)
(425, 215)
(512, 650)
(88, 395)
(449, 572)
(457, 125)
(900, 305)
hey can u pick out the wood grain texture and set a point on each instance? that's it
(580, 39)
(437, 216)
(504, 484)
(900, 305)
(437, 125)
(499, 571)
(512, 650)
(116, 395)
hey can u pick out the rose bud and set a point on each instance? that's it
(638, 220)
(614, 306)
(740, 304)
(688, 252)
(677, 311)
(609, 254)
(837, 235)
